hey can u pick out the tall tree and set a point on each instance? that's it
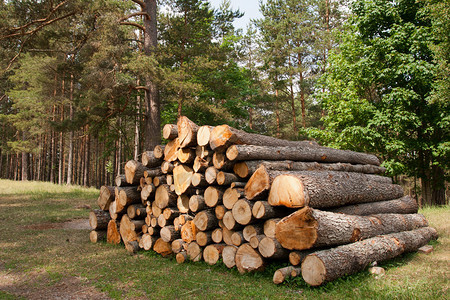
(378, 93)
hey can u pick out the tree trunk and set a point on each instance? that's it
(299, 152)
(328, 265)
(404, 205)
(152, 102)
(307, 227)
(224, 136)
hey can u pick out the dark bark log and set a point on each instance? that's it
(271, 248)
(300, 153)
(203, 238)
(182, 257)
(127, 195)
(96, 236)
(148, 241)
(197, 203)
(246, 169)
(169, 234)
(134, 170)
(220, 162)
(404, 205)
(164, 197)
(224, 136)
(199, 180)
(255, 240)
(328, 265)
(150, 161)
(307, 227)
(187, 132)
(224, 178)
(281, 274)
(237, 238)
(167, 167)
(186, 155)
(98, 219)
(213, 196)
(252, 230)
(178, 246)
(206, 220)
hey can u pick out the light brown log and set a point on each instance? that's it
(171, 150)
(263, 210)
(96, 236)
(281, 274)
(162, 221)
(121, 181)
(188, 232)
(226, 236)
(106, 196)
(148, 193)
(149, 160)
(148, 241)
(220, 162)
(199, 180)
(205, 220)
(169, 179)
(182, 178)
(213, 196)
(183, 204)
(184, 218)
(211, 175)
(156, 211)
(186, 155)
(217, 236)
(296, 257)
(129, 229)
(270, 226)
(169, 234)
(145, 181)
(328, 265)
(319, 189)
(251, 230)
(238, 184)
(177, 246)
(308, 227)
(194, 251)
(132, 247)
(224, 136)
(212, 253)
(181, 257)
(224, 178)
(231, 196)
(164, 197)
(127, 195)
(163, 248)
(98, 219)
(203, 151)
(237, 238)
(134, 170)
(242, 212)
(170, 213)
(197, 203)
(144, 230)
(246, 169)
(271, 248)
(113, 234)
(229, 256)
(154, 222)
(158, 180)
(255, 240)
(203, 135)
(248, 259)
(220, 211)
(113, 211)
(187, 132)
(203, 238)
(201, 164)
(158, 151)
(229, 221)
(136, 211)
(170, 131)
(404, 205)
(300, 153)
(167, 167)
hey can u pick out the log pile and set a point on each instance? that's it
(216, 193)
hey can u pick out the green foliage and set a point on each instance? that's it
(379, 86)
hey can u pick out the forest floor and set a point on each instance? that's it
(46, 254)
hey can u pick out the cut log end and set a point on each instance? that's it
(257, 184)
(287, 191)
(314, 270)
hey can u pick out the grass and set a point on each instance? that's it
(43, 258)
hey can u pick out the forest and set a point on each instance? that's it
(86, 85)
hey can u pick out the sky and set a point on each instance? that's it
(249, 7)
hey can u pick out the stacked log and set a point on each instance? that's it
(220, 194)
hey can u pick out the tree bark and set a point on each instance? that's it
(404, 205)
(328, 265)
(224, 136)
(98, 219)
(281, 274)
(308, 227)
(150, 161)
(299, 153)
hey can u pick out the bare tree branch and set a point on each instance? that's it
(133, 24)
(141, 3)
(141, 13)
